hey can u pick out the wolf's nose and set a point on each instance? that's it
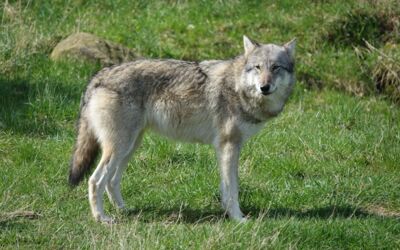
(265, 89)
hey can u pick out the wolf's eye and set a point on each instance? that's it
(275, 68)
(257, 67)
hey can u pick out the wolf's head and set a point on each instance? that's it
(269, 70)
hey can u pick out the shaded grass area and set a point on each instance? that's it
(324, 174)
(377, 22)
(44, 99)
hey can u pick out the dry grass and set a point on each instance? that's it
(382, 67)
(382, 211)
(21, 36)
(19, 214)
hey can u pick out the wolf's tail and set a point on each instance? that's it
(85, 152)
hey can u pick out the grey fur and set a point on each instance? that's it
(218, 102)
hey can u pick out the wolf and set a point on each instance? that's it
(217, 102)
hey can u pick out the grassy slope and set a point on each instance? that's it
(323, 174)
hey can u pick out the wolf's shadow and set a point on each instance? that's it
(189, 215)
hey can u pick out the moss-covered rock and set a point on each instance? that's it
(88, 47)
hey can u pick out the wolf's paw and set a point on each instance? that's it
(128, 211)
(241, 219)
(120, 206)
(121, 209)
(106, 220)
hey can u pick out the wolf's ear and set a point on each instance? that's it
(291, 47)
(249, 45)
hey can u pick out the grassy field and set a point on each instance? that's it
(324, 174)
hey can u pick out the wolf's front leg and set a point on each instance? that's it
(228, 159)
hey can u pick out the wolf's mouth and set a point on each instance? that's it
(268, 92)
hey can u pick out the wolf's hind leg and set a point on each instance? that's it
(113, 186)
(111, 160)
(116, 123)
(97, 182)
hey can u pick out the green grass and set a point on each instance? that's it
(324, 174)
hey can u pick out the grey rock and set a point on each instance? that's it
(88, 47)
